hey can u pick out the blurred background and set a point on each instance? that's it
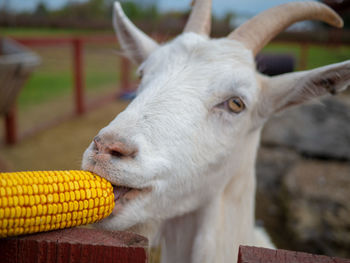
(62, 80)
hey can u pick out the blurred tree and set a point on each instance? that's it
(102, 9)
(41, 10)
(137, 10)
(92, 9)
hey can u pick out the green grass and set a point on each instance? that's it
(317, 55)
(321, 56)
(44, 86)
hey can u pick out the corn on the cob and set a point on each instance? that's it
(46, 200)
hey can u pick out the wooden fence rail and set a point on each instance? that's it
(98, 246)
(263, 255)
(75, 245)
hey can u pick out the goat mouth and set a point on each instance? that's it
(125, 194)
(122, 194)
(120, 191)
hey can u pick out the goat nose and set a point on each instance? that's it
(120, 149)
(117, 148)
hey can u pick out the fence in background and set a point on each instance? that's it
(77, 45)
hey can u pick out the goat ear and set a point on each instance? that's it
(295, 88)
(136, 44)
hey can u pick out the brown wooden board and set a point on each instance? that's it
(263, 255)
(75, 245)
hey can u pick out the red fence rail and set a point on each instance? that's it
(92, 245)
(263, 255)
(75, 245)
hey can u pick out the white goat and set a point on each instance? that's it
(182, 154)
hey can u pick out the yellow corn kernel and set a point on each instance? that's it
(55, 187)
(97, 201)
(82, 195)
(62, 198)
(40, 209)
(31, 200)
(50, 198)
(34, 211)
(86, 204)
(15, 200)
(67, 196)
(59, 208)
(46, 200)
(18, 211)
(70, 206)
(93, 192)
(10, 201)
(77, 195)
(37, 199)
(4, 201)
(35, 188)
(63, 224)
(72, 196)
(43, 199)
(60, 187)
(26, 200)
(65, 207)
(76, 205)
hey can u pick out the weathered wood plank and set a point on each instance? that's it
(249, 254)
(75, 245)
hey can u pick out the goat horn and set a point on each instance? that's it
(200, 18)
(136, 44)
(259, 30)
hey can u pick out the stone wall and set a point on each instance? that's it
(303, 170)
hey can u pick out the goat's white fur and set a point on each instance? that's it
(196, 156)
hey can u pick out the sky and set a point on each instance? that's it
(220, 7)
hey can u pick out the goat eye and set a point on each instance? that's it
(235, 105)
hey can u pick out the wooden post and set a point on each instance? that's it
(125, 76)
(78, 76)
(1, 46)
(257, 254)
(11, 126)
(75, 245)
(303, 56)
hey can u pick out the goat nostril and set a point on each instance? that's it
(116, 154)
(120, 150)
